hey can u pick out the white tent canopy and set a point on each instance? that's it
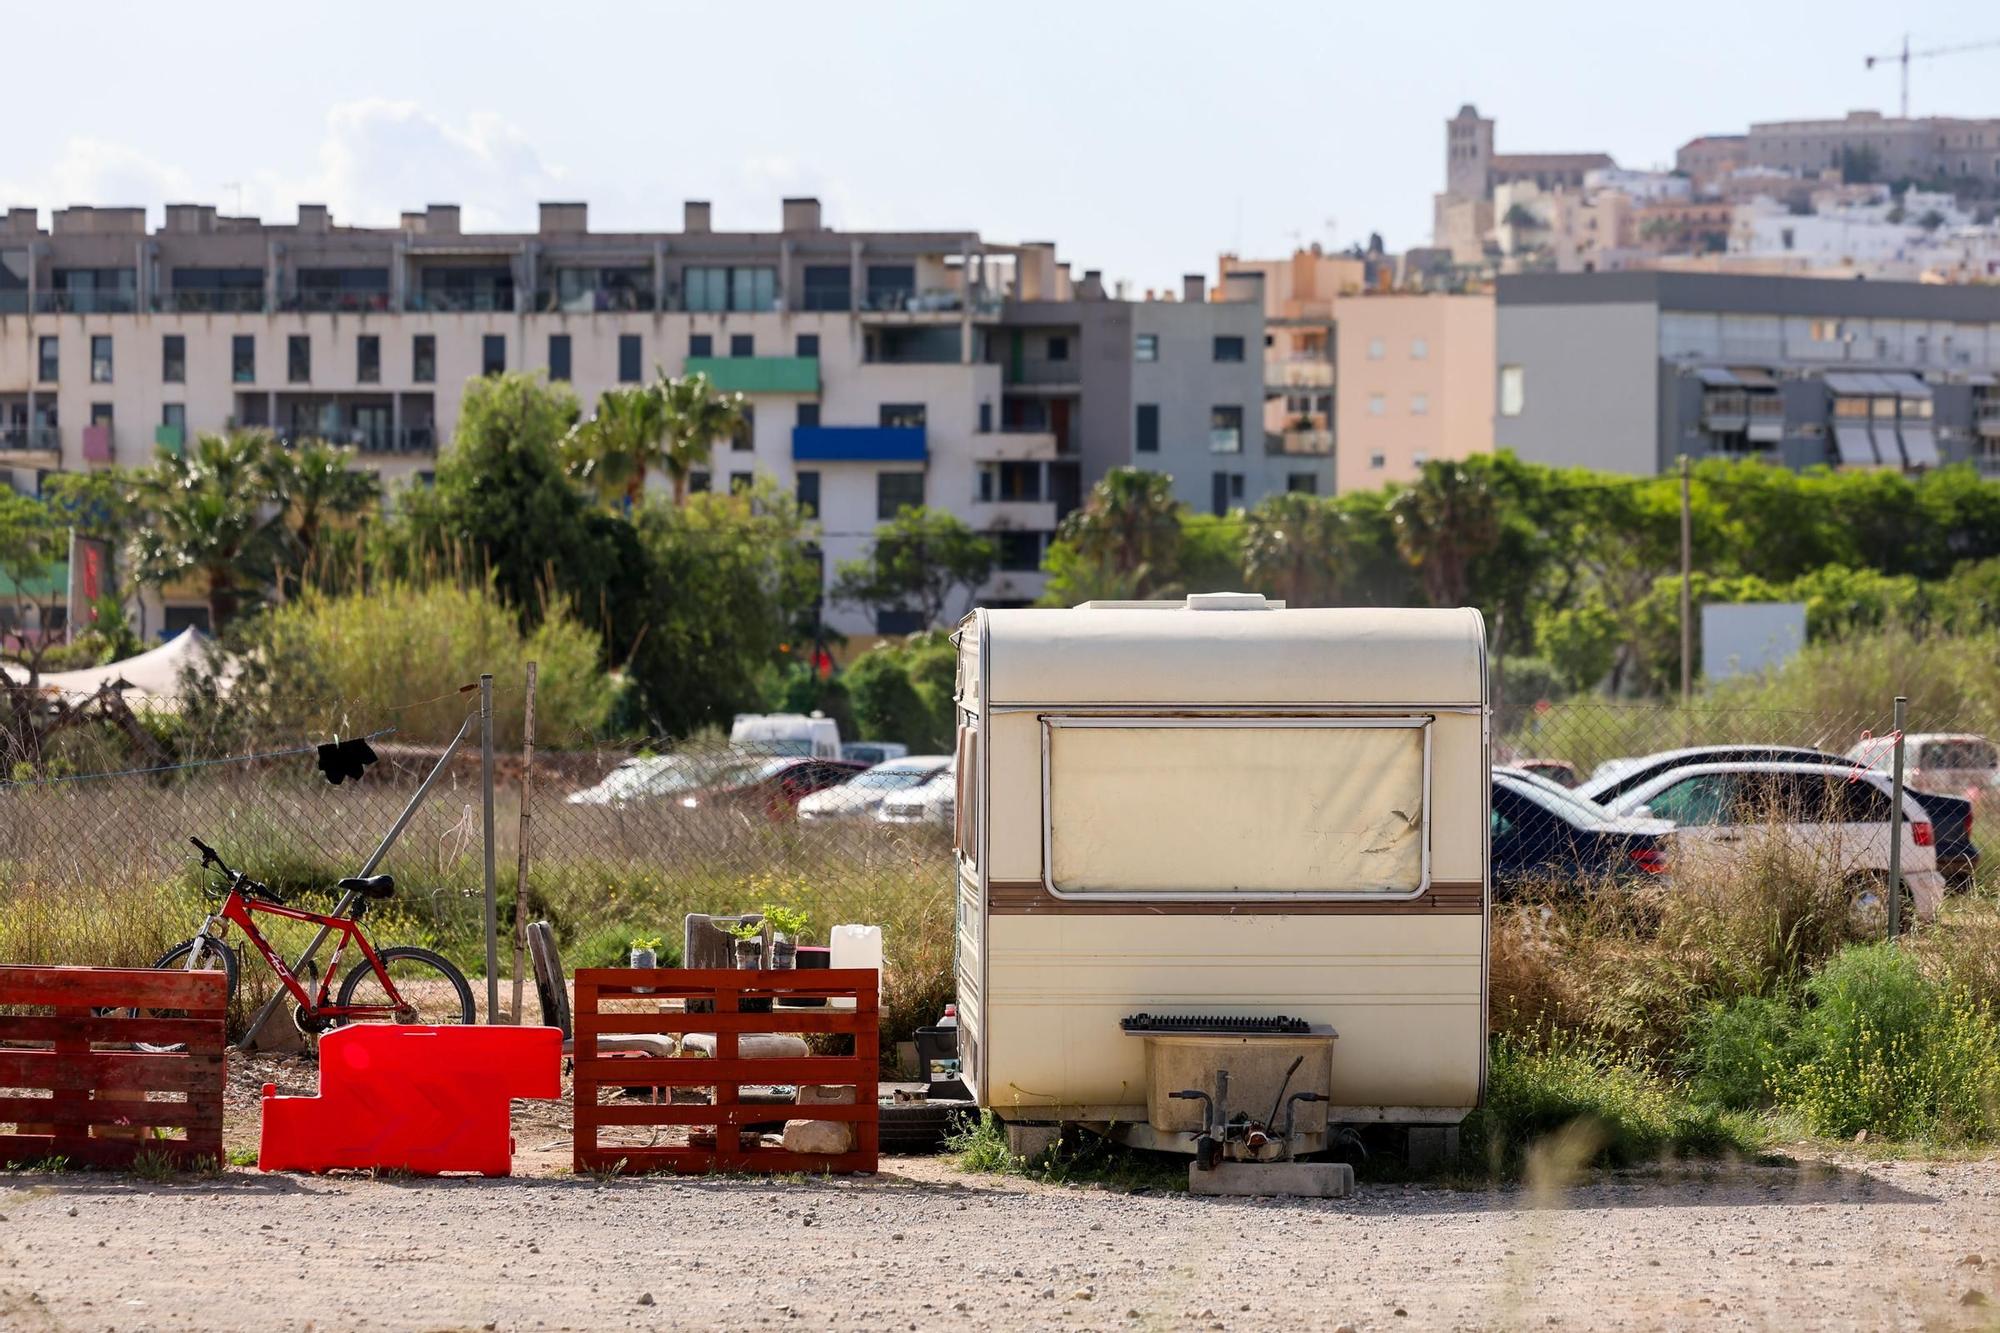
(152, 675)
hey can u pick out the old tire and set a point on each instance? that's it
(918, 1129)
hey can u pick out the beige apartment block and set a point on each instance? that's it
(1416, 383)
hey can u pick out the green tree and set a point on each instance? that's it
(696, 417)
(918, 561)
(1127, 535)
(1580, 642)
(1444, 523)
(902, 691)
(611, 450)
(315, 482)
(1292, 548)
(207, 516)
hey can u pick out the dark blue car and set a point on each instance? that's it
(1543, 836)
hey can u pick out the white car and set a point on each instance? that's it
(1957, 763)
(935, 802)
(858, 797)
(1838, 812)
(651, 777)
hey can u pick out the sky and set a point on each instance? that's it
(1145, 139)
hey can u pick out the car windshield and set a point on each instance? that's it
(1552, 793)
(1966, 752)
(662, 775)
(892, 779)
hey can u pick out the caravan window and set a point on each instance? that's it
(1228, 807)
(965, 814)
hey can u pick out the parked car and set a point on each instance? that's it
(858, 797)
(1839, 813)
(934, 802)
(1549, 785)
(814, 735)
(1954, 762)
(1950, 815)
(1559, 771)
(655, 777)
(873, 752)
(772, 786)
(1541, 834)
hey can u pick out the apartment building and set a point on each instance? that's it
(1416, 384)
(881, 369)
(1891, 148)
(1628, 371)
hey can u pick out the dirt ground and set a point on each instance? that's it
(1816, 1243)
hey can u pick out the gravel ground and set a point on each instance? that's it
(1818, 1243)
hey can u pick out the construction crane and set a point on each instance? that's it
(1906, 55)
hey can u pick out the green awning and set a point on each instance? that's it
(759, 374)
(52, 584)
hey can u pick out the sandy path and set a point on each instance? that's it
(1816, 1245)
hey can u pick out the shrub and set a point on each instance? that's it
(1737, 1051)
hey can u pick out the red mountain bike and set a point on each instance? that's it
(398, 984)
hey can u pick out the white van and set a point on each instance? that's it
(814, 736)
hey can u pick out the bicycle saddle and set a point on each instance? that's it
(370, 886)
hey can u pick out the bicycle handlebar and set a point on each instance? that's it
(238, 881)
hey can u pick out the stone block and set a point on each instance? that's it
(818, 1136)
(1031, 1141)
(1304, 1180)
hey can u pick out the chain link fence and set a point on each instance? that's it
(615, 843)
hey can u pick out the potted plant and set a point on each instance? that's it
(788, 927)
(646, 952)
(749, 946)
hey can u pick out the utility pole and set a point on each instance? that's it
(1687, 590)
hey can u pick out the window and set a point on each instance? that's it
(742, 344)
(1228, 349)
(902, 414)
(559, 368)
(1376, 350)
(1513, 391)
(745, 436)
(896, 620)
(1696, 800)
(1377, 405)
(173, 359)
(1018, 552)
(1225, 430)
(100, 358)
(808, 345)
(891, 286)
(1113, 827)
(243, 359)
(897, 491)
(740, 482)
(47, 362)
(298, 359)
(1378, 461)
(986, 418)
(493, 354)
(368, 358)
(630, 354)
(1420, 404)
(1226, 487)
(828, 287)
(1058, 347)
(1017, 481)
(1146, 428)
(1146, 347)
(1302, 483)
(808, 414)
(701, 344)
(1420, 349)
(424, 358)
(747, 288)
(174, 415)
(808, 490)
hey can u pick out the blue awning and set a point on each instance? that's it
(859, 444)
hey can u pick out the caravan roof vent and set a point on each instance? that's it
(1241, 1025)
(1228, 601)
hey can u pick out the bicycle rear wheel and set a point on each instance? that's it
(215, 957)
(432, 990)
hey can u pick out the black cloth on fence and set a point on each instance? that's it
(341, 760)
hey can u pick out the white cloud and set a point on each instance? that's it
(96, 171)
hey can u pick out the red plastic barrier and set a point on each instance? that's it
(419, 1099)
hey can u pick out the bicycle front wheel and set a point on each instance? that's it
(215, 957)
(432, 991)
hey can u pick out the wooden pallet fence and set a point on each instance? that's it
(604, 1006)
(70, 1033)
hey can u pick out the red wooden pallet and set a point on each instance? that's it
(76, 1046)
(727, 1073)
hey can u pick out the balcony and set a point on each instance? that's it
(170, 439)
(1299, 372)
(210, 300)
(1986, 416)
(466, 301)
(927, 303)
(859, 444)
(1012, 515)
(86, 303)
(1988, 464)
(1042, 374)
(1300, 443)
(759, 374)
(596, 300)
(30, 440)
(338, 300)
(1011, 445)
(98, 445)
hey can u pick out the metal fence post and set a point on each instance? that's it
(521, 858)
(486, 795)
(1896, 825)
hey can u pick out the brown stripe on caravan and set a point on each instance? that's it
(1027, 897)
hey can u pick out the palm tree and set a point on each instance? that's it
(209, 514)
(696, 417)
(313, 482)
(1131, 522)
(1445, 522)
(611, 450)
(1295, 546)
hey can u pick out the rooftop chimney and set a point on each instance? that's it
(801, 215)
(315, 218)
(441, 219)
(190, 219)
(1193, 287)
(694, 216)
(565, 218)
(20, 221)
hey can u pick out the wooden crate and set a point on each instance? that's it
(68, 1031)
(726, 1073)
